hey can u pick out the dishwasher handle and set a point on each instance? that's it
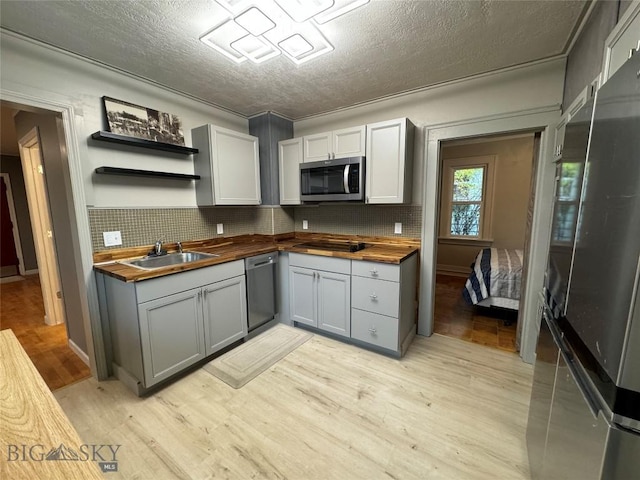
(261, 260)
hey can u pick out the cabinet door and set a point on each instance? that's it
(225, 313)
(290, 157)
(302, 295)
(171, 334)
(334, 303)
(318, 147)
(236, 167)
(349, 142)
(622, 41)
(386, 152)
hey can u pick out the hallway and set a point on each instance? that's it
(22, 310)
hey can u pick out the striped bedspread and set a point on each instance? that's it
(496, 272)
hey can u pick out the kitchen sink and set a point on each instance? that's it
(169, 259)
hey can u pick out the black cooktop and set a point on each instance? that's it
(334, 246)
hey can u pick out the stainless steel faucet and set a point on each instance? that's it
(179, 247)
(158, 247)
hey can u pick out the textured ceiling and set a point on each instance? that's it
(386, 47)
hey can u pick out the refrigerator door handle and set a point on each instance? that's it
(592, 403)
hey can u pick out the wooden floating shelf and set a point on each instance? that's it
(144, 173)
(103, 136)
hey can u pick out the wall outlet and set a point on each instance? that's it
(220, 228)
(112, 239)
(397, 228)
(305, 224)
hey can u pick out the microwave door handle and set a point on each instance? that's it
(345, 178)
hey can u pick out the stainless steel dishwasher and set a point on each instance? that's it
(261, 288)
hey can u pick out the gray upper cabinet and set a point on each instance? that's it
(289, 160)
(343, 143)
(389, 166)
(622, 42)
(320, 292)
(229, 166)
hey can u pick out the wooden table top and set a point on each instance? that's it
(34, 431)
(379, 249)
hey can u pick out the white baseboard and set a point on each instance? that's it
(13, 278)
(32, 272)
(76, 349)
(454, 270)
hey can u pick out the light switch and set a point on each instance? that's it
(112, 239)
(305, 225)
(397, 228)
(220, 228)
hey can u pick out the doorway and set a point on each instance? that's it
(485, 190)
(544, 120)
(11, 260)
(33, 306)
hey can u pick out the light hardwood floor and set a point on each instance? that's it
(448, 410)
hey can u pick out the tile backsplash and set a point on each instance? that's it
(143, 226)
(360, 219)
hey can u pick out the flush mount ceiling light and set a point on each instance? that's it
(255, 21)
(261, 30)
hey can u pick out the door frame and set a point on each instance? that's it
(16, 232)
(542, 119)
(73, 123)
(42, 226)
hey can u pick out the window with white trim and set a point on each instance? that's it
(467, 198)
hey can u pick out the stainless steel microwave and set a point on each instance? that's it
(337, 180)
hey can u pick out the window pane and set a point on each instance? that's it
(467, 184)
(465, 219)
(565, 222)
(570, 179)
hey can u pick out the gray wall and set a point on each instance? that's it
(584, 62)
(62, 215)
(13, 166)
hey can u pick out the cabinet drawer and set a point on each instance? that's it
(377, 296)
(318, 262)
(383, 271)
(374, 329)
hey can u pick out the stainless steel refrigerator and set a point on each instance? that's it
(584, 415)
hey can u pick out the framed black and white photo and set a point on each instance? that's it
(132, 120)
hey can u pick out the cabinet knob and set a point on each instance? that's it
(374, 272)
(373, 330)
(373, 296)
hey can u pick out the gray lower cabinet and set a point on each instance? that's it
(171, 334)
(161, 326)
(383, 303)
(225, 313)
(320, 292)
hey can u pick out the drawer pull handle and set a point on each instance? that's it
(373, 330)
(374, 296)
(374, 272)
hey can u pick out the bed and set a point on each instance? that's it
(495, 279)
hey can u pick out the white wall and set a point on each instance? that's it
(511, 90)
(31, 68)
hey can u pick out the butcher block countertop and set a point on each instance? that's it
(378, 249)
(34, 431)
